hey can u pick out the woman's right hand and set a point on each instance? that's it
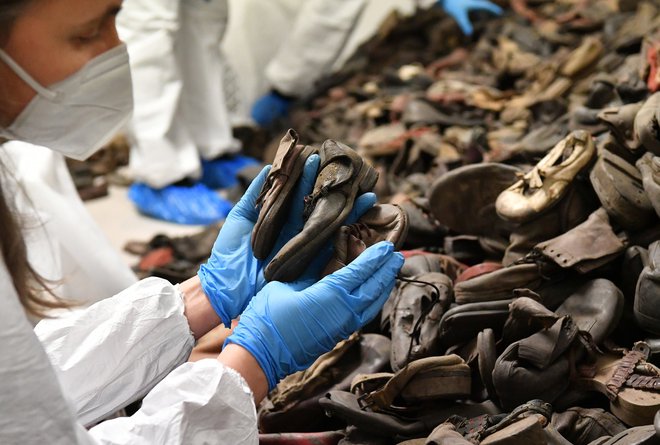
(289, 325)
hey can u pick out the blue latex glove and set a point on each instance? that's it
(288, 326)
(269, 108)
(459, 10)
(232, 275)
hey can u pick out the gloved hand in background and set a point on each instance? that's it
(270, 107)
(232, 275)
(287, 326)
(460, 9)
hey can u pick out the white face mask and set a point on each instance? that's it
(80, 114)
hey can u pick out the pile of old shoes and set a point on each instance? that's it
(520, 173)
(343, 176)
(92, 176)
(174, 258)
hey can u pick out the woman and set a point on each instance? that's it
(65, 83)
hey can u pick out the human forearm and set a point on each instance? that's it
(198, 310)
(241, 361)
(202, 318)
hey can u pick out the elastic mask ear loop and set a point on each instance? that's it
(25, 76)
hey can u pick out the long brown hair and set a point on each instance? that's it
(32, 289)
(10, 10)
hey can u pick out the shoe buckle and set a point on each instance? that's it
(643, 348)
(365, 401)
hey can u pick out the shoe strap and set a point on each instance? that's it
(638, 381)
(532, 407)
(547, 269)
(382, 398)
(626, 369)
(474, 428)
(362, 381)
(534, 179)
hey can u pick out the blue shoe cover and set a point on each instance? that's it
(183, 205)
(221, 173)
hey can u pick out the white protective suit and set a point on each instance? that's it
(64, 243)
(290, 45)
(71, 372)
(300, 60)
(180, 112)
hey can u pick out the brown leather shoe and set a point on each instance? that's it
(277, 192)
(418, 423)
(585, 247)
(444, 377)
(620, 121)
(647, 295)
(293, 405)
(499, 284)
(418, 306)
(649, 167)
(539, 365)
(536, 366)
(464, 199)
(385, 222)
(581, 426)
(463, 322)
(619, 187)
(647, 123)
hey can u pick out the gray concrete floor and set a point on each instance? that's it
(121, 222)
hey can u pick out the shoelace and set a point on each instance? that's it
(311, 200)
(360, 230)
(268, 185)
(537, 257)
(435, 298)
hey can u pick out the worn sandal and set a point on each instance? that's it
(630, 382)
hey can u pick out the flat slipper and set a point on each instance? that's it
(277, 193)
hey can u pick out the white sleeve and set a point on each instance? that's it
(202, 402)
(115, 351)
(318, 36)
(32, 407)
